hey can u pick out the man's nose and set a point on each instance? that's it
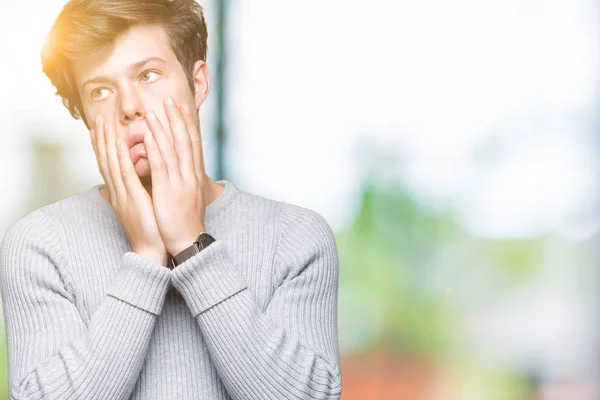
(131, 105)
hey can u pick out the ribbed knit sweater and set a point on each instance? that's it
(252, 316)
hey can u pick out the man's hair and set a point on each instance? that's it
(86, 28)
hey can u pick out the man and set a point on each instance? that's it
(161, 283)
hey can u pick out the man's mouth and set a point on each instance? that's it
(135, 139)
(137, 148)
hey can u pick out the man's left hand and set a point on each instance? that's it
(177, 169)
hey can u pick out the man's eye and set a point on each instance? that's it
(99, 94)
(149, 76)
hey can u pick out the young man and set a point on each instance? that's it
(94, 307)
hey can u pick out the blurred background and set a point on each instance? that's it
(452, 146)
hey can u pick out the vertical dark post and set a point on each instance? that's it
(221, 87)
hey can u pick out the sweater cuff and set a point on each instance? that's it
(142, 283)
(207, 278)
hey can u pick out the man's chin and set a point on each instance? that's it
(142, 168)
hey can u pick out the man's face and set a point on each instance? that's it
(135, 77)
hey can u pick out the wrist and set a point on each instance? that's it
(202, 241)
(158, 258)
(185, 242)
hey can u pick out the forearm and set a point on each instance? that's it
(102, 360)
(257, 358)
(260, 355)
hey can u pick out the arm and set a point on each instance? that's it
(52, 353)
(289, 350)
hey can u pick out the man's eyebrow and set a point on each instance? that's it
(132, 68)
(140, 64)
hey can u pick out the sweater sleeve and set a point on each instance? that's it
(52, 352)
(289, 350)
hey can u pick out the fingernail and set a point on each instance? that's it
(148, 135)
(106, 125)
(118, 142)
(151, 115)
(170, 101)
(185, 107)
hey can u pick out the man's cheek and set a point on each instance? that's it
(99, 108)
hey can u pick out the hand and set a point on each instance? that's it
(129, 199)
(177, 169)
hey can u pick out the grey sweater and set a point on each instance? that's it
(253, 316)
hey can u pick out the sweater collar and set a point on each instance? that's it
(212, 210)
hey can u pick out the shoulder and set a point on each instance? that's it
(62, 215)
(37, 232)
(293, 221)
(32, 257)
(303, 224)
(28, 243)
(305, 239)
(290, 216)
(33, 227)
(302, 234)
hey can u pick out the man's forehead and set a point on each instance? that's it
(139, 43)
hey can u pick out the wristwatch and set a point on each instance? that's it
(203, 241)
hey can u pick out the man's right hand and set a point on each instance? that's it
(128, 197)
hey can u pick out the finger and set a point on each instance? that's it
(100, 136)
(164, 145)
(195, 138)
(113, 161)
(130, 178)
(181, 138)
(93, 140)
(94, 147)
(157, 165)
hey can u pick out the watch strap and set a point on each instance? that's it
(202, 242)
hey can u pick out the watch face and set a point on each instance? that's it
(205, 239)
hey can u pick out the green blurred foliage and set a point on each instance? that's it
(3, 366)
(408, 268)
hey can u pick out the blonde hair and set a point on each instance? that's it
(86, 28)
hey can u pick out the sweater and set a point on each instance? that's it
(252, 316)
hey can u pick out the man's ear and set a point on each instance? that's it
(201, 82)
